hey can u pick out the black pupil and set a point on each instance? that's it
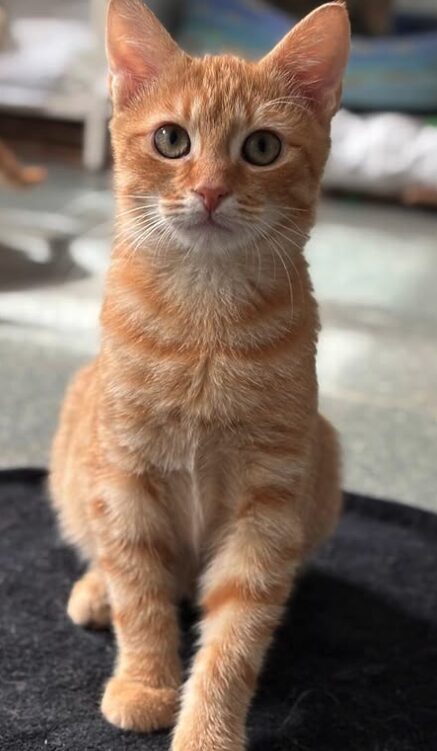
(173, 136)
(262, 144)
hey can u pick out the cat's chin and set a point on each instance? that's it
(208, 236)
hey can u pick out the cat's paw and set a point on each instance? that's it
(207, 744)
(201, 738)
(88, 605)
(131, 705)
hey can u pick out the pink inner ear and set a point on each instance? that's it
(124, 87)
(314, 55)
(131, 52)
(319, 83)
(131, 71)
(138, 47)
(127, 65)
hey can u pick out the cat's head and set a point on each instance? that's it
(217, 153)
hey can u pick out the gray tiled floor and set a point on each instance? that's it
(375, 272)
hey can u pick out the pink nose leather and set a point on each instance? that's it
(211, 196)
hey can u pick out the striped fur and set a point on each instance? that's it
(190, 459)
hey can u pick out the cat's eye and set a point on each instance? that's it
(172, 141)
(261, 148)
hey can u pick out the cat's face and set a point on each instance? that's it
(215, 154)
(218, 155)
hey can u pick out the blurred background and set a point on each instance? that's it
(373, 252)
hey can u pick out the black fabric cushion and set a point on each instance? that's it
(354, 666)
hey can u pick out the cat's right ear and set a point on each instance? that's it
(138, 48)
(313, 56)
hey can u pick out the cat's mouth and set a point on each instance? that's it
(206, 224)
(205, 230)
(209, 220)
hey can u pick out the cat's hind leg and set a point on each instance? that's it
(88, 604)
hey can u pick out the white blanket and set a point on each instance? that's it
(382, 154)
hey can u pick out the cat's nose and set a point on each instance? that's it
(211, 196)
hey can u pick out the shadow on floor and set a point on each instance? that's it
(18, 271)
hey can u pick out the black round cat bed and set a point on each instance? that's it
(353, 668)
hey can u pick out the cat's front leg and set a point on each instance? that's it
(133, 532)
(244, 593)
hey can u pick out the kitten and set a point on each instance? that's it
(13, 173)
(190, 458)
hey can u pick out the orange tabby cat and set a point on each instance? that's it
(190, 457)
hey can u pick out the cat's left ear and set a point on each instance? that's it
(313, 56)
(138, 48)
